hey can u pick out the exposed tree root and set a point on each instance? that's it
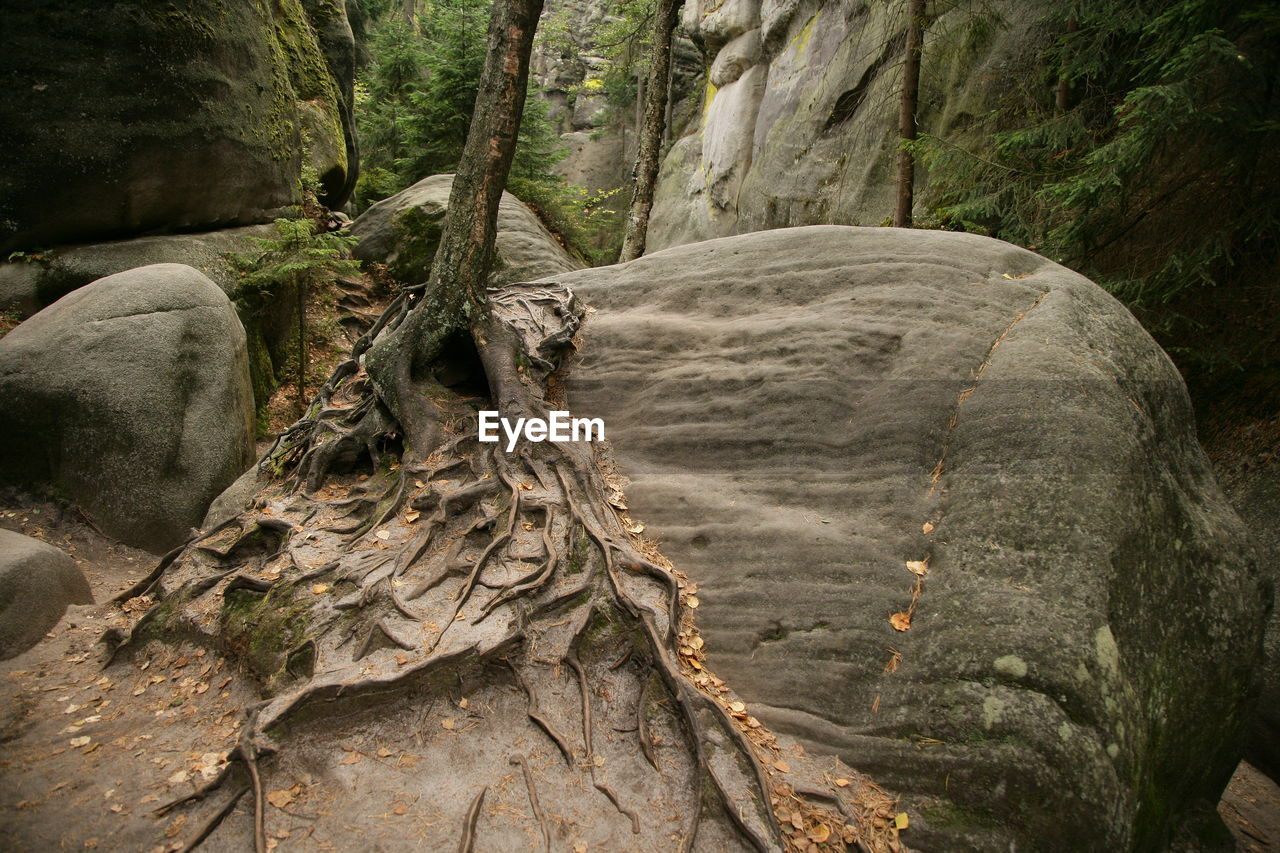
(451, 557)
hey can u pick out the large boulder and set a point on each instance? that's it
(403, 231)
(131, 398)
(843, 432)
(37, 583)
(133, 116)
(799, 113)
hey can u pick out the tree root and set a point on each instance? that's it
(516, 560)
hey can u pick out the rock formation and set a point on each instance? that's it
(949, 520)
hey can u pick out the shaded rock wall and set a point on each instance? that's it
(136, 116)
(802, 412)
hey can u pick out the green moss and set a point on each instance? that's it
(417, 239)
(947, 815)
(266, 631)
(578, 556)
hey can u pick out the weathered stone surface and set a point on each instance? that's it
(802, 412)
(1252, 485)
(403, 232)
(60, 271)
(37, 583)
(799, 118)
(137, 116)
(131, 398)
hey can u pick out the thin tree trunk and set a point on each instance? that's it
(650, 139)
(907, 113)
(1063, 94)
(462, 262)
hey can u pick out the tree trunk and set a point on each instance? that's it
(650, 133)
(907, 113)
(483, 607)
(1062, 93)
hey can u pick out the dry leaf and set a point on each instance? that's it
(696, 642)
(900, 621)
(448, 723)
(918, 567)
(176, 826)
(463, 703)
(400, 808)
(352, 758)
(280, 798)
(412, 515)
(927, 528)
(781, 766)
(402, 659)
(753, 722)
(383, 534)
(842, 783)
(383, 752)
(692, 602)
(80, 741)
(820, 833)
(737, 707)
(579, 847)
(319, 588)
(525, 486)
(901, 821)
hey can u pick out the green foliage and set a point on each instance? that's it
(298, 256)
(1154, 179)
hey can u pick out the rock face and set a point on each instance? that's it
(799, 116)
(130, 397)
(403, 232)
(807, 415)
(37, 583)
(138, 116)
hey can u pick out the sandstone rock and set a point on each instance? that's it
(804, 412)
(799, 117)
(137, 116)
(37, 583)
(130, 397)
(403, 231)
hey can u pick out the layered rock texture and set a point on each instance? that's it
(799, 118)
(843, 432)
(139, 116)
(403, 232)
(130, 397)
(37, 584)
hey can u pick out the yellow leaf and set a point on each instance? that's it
(918, 567)
(901, 821)
(781, 766)
(927, 528)
(692, 601)
(80, 741)
(319, 588)
(412, 515)
(280, 798)
(463, 703)
(696, 642)
(447, 723)
(383, 534)
(900, 621)
(737, 707)
(525, 487)
(819, 833)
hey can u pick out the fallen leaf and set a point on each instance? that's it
(842, 783)
(900, 621)
(781, 766)
(820, 833)
(319, 588)
(447, 723)
(927, 528)
(400, 808)
(463, 703)
(918, 567)
(81, 741)
(525, 487)
(901, 821)
(753, 722)
(580, 847)
(402, 659)
(737, 707)
(176, 826)
(202, 687)
(692, 602)
(383, 534)
(412, 515)
(696, 642)
(280, 798)
(383, 752)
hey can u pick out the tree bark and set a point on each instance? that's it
(1062, 93)
(651, 132)
(907, 113)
